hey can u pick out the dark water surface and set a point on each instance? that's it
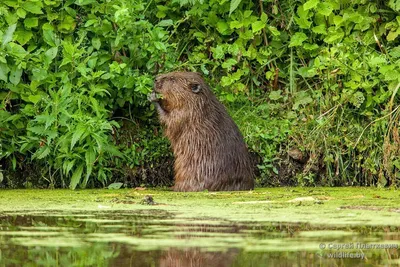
(156, 238)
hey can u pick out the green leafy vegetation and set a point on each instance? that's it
(317, 77)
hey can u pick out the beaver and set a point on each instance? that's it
(209, 149)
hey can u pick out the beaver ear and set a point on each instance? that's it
(195, 88)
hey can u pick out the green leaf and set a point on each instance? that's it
(35, 98)
(395, 52)
(115, 186)
(51, 54)
(84, 2)
(21, 13)
(38, 130)
(43, 152)
(222, 27)
(39, 74)
(80, 130)
(375, 61)
(7, 37)
(297, 39)
(90, 157)
(31, 22)
(4, 70)
(15, 75)
(67, 25)
(324, 9)
(17, 50)
(274, 31)
(22, 36)
(166, 23)
(257, 26)
(275, 95)
(33, 7)
(96, 43)
(321, 29)
(76, 177)
(334, 35)
(307, 46)
(302, 99)
(113, 150)
(48, 34)
(234, 5)
(310, 4)
(392, 35)
(229, 63)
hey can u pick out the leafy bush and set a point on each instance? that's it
(318, 76)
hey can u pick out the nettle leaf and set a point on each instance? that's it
(67, 25)
(21, 13)
(234, 6)
(222, 27)
(321, 29)
(229, 63)
(303, 99)
(375, 61)
(34, 98)
(274, 31)
(394, 4)
(297, 39)
(334, 35)
(31, 22)
(275, 95)
(310, 4)
(325, 9)
(308, 46)
(33, 7)
(7, 37)
(395, 52)
(392, 35)
(23, 37)
(76, 177)
(42, 152)
(257, 26)
(218, 52)
(38, 130)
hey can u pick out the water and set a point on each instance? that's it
(160, 238)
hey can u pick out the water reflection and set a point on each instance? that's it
(158, 238)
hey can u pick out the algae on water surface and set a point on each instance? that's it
(274, 225)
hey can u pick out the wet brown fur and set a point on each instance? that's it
(208, 147)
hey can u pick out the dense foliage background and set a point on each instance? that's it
(312, 85)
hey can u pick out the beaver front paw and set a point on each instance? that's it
(153, 97)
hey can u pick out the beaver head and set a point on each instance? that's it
(180, 90)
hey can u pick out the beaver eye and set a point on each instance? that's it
(195, 88)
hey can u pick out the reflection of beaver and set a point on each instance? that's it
(209, 150)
